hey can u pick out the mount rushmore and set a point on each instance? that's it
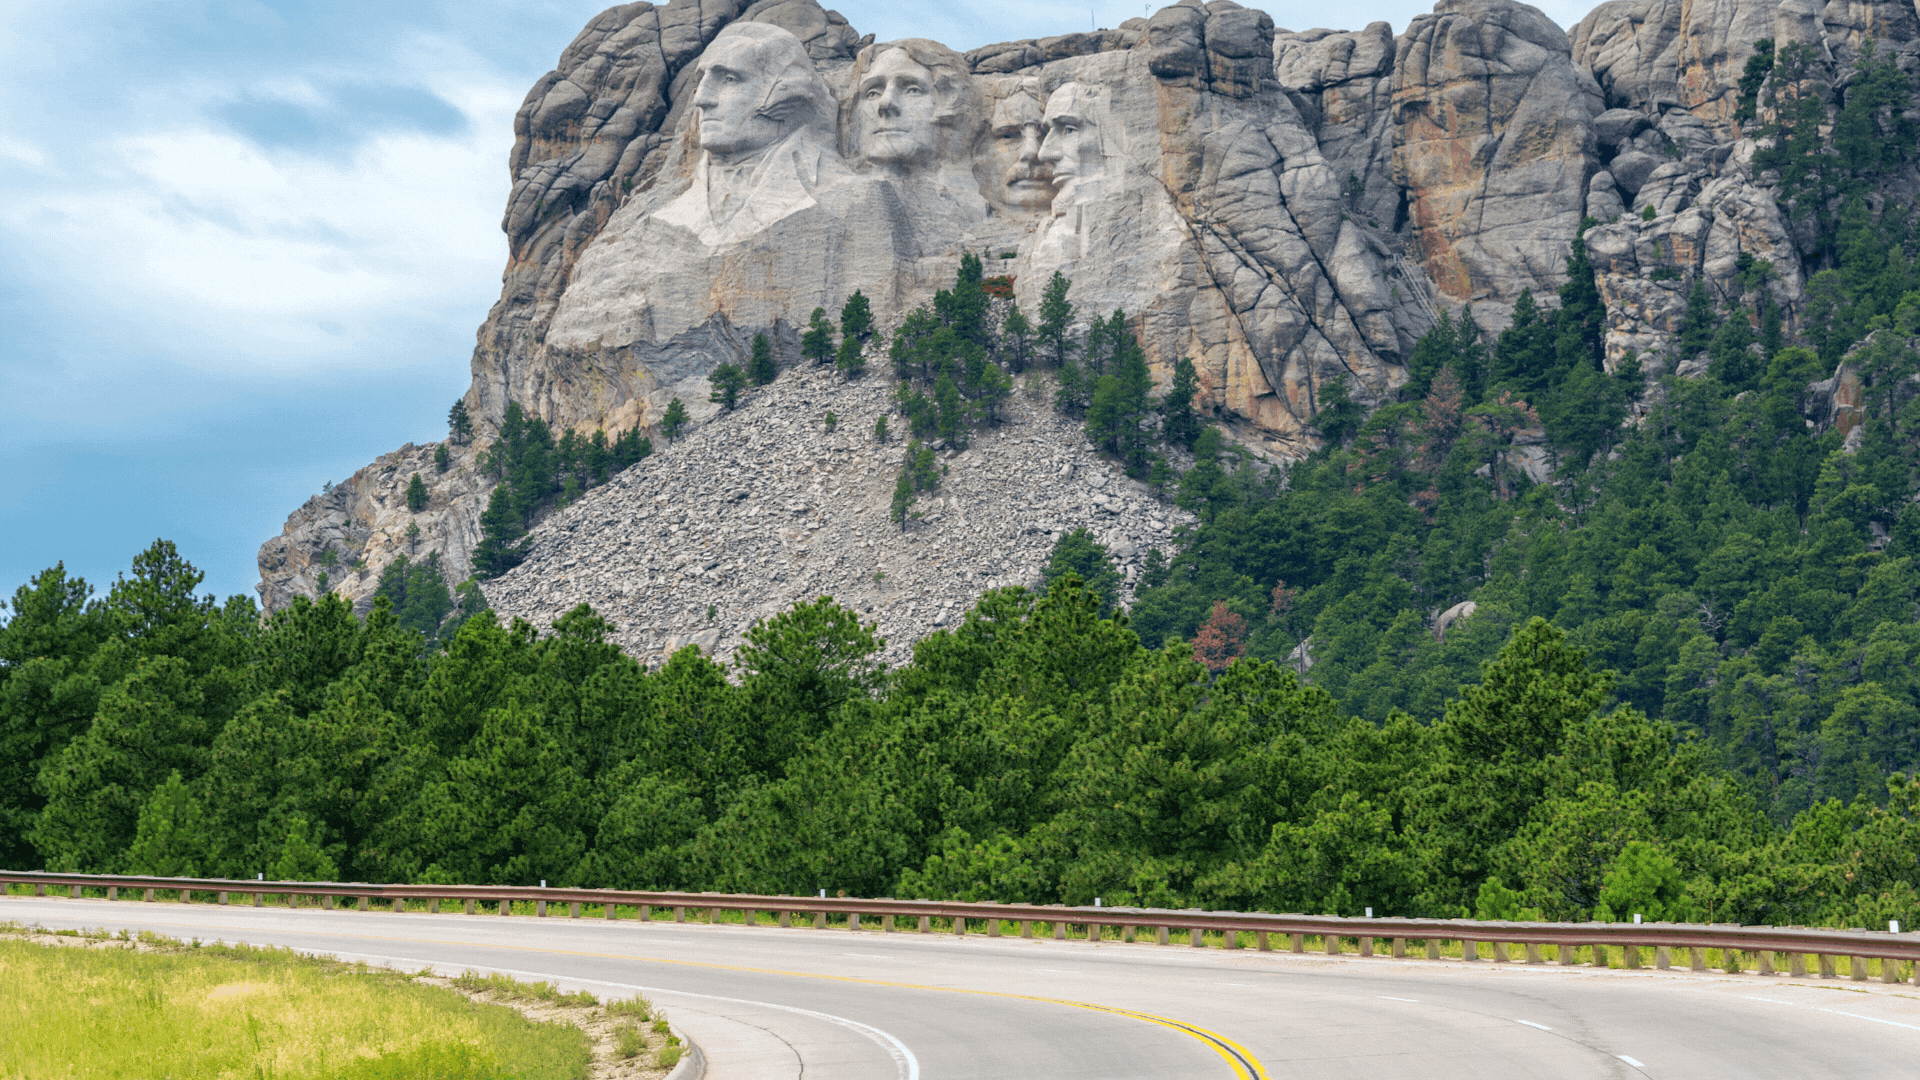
(1285, 209)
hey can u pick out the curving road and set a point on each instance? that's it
(769, 1004)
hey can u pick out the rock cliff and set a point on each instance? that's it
(1284, 208)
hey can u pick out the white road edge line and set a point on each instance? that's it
(1771, 1001)
(1875, 1019)
(903, 1058)
(1389, 997)
(1630, 1061)
(1531, 1024)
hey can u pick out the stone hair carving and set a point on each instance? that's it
(1076, 149)
(912, 107)
(1010, 171)
(765, 125)
(758, 86)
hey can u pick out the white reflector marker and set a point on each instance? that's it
(1630, 1061)
(1531, 1024)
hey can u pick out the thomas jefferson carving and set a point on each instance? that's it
(914, 115)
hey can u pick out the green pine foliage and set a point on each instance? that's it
(728, 382)
(856, 317)
(459, 423)
(416, 494)
(1179, 421)
(536, 473)
(674, 420)
(1031, 750)
(442, 460)
(761, 368)
(816, 344)
(1079, 555)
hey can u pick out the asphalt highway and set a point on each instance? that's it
(771, 1004)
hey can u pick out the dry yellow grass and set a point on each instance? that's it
(217, 1012)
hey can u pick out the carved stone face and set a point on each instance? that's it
(734, 85)
(897, 109)
(1018, 130)
(1072, 148)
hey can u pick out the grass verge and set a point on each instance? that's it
(146, 1006)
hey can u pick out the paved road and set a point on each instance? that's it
(769, 1004)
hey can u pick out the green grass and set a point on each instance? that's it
(213, 1012)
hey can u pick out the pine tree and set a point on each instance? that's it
(902, 499)
(1181, 424)
(856, 318)
(1697, 325)
(1119, 402)
(1078, 554)
(441, 459)
(728, 381)
(1016, 335)
(817, 343)
(760, 367)
(673, 420)
(880, 429)
(1056, 315)
(459, 424)
(952, 423)
(851, 359)
(499, 549)
(416, 494)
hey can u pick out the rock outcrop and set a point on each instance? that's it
(1284, 208)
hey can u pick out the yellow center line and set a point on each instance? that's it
(1244, 1065)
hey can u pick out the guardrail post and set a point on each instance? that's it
(749, 917)
(113, 893)
(926, 924)
(1500, 953)
(1763, 961)
(1569, 954)
(148, 897)
(1696, 958)
(1229, 939)
(1662, 957)
(819, 919)
(506, 906)
(1333, 943)
(1826, 967)
(258, 899)
(1026, 928)
(363, 904)
(993, 927)
(74, 893)
(1059, 931)
(399, 906)
(573, 909)
(1889, 970)
(41, 890)
(1631, 954)
(853, 920)
(959, 925)
(1433, 948)
(1857, 968)
(1261, 943)
(680, 914)
(786, 920)
(468, 906)
(1160, 936)
(644, 912)
(1469, 950)
(1199, 938)
(1600, 957)
(1297, 943)
(1398, 950)
(1094, 931)
(1533, 953)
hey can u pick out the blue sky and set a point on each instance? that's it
(244, 246)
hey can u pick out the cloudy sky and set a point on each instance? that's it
(244, 246)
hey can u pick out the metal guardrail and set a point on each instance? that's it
(1758, 943)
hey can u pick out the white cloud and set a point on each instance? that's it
(256, 257)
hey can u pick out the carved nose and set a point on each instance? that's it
(889, 104)
(1030, 149)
